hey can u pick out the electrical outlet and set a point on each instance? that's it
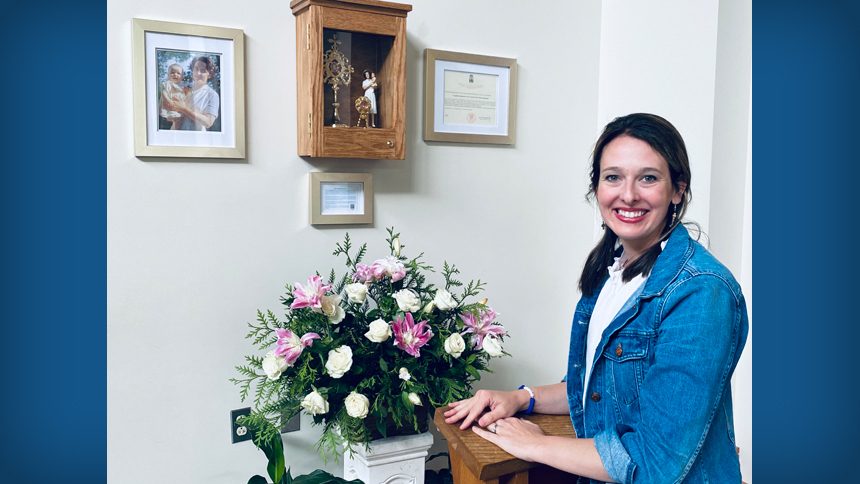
(291, 425)
(239, 433)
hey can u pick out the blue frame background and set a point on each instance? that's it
(53, 361)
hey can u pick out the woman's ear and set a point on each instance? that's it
(679, 195)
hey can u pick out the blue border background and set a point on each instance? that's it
(54, 241)
(52, 184)
(805, 170)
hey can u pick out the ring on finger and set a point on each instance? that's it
(493, 428)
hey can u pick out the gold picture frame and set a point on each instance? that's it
(469, 98)
(341, 198)
(158, 132)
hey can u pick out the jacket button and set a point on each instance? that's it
(618, 351)
(595, 397)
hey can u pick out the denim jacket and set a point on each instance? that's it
(659, 402)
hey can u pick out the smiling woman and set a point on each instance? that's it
(653, 343)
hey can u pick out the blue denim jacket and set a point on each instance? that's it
(659, 403)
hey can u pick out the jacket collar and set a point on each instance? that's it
(678, 250)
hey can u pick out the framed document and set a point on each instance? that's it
(189, 90)
(469, 98)
(341, 198)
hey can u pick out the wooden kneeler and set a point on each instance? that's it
(478, 461)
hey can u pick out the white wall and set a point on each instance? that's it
(659, 56)
(196, 247)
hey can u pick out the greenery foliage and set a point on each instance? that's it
(436, 377)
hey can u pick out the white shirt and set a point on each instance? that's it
(609, 302)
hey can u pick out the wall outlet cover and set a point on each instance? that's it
(239, 433)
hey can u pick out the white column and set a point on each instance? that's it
(395, 460)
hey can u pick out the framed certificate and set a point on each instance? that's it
(469, 98)
(341, 198)
(189, 90)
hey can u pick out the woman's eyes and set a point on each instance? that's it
(644, 178)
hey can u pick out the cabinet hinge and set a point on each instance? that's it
(309, 36)
(309, 125)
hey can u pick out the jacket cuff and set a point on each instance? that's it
(616, 460)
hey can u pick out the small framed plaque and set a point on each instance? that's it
(469, 98)
(341, 198)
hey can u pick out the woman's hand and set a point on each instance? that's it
(501, 404)
(515, 436)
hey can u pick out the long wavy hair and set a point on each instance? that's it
(665, 140)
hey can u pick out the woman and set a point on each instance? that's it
(369, 85)
(201, 107)
(653, 346)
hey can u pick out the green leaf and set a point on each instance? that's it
(410, 407)
(383, 364)
(276, 465)
(472, 371)
(383, 412)
(320, 476)
(380, 425)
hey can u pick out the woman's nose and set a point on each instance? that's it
(629, 193)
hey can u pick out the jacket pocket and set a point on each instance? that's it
(625, 355)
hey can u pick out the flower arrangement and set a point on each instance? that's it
(368, 348)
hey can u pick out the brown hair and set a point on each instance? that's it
(210, 65)
(668, 143)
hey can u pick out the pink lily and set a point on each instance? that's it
(363, 274)
(290, 346)
(409, 336)
(310, 295)
(482, 328)
(389, 266)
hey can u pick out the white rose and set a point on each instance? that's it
(356, 405)
(492, 346)
(339, 361)
(414, 398)
(378, 331)
(404, 374)
(273, 365)
(455, 345)
(397, 246)
(444, 300)
(357, 292)
(315, 404)
(407, 300)
(330, 306)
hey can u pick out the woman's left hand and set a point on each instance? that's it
(515, 436)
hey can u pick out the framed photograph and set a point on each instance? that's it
(341, 198)
(469, 98)
(189, 90)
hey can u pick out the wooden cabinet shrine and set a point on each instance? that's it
(350, 62)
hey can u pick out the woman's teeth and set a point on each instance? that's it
(627, 214)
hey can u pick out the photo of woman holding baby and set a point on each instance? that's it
(199, 108)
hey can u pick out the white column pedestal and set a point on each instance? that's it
(395, 460)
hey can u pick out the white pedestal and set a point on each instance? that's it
(395, 460)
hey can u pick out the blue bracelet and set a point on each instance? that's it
(531, 399)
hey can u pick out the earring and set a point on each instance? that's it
(603, 225)
(674, 213)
